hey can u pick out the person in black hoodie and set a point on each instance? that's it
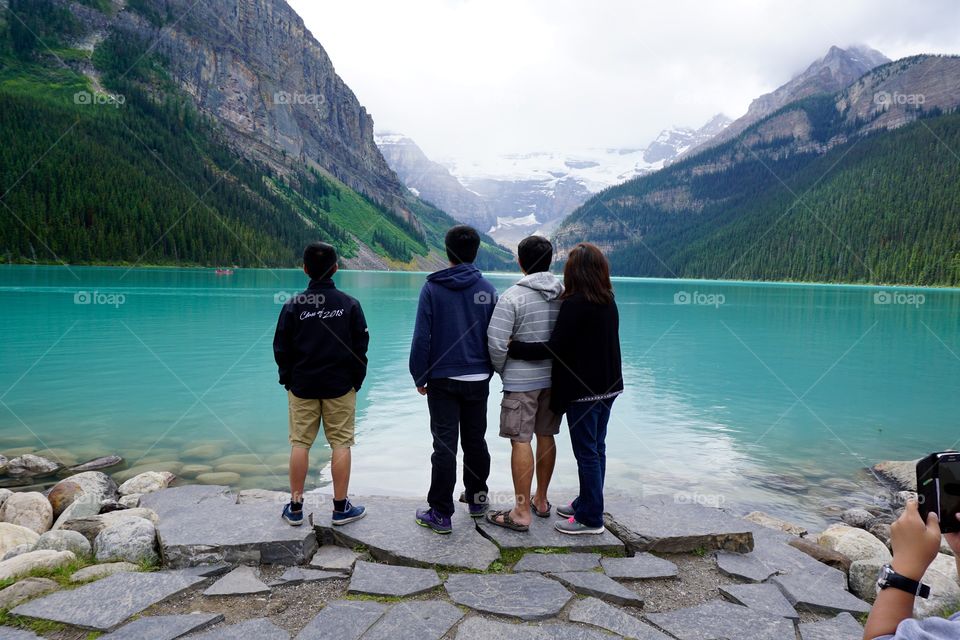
(321, 351)
(586, 376)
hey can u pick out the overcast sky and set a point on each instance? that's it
(474, 77)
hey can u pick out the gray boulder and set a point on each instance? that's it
(95, 488)
(863, 578)
(17, 551)
(31, 465)
(24, 590)
(91, 526)
(132, 540)
(854, 543)
(64, 541)
(13, 535)
(856, 517)
(28, 509)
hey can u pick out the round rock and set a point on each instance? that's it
(146, 482)
(97, 571)
(29, 509)
(24, 590)
(62, 540)
(854, 543)
(33, 560)
(62, 495)
(133, 540)
(528, 596)
(856, 517)
(13, 535)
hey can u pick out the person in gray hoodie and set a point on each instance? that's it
(527, 311)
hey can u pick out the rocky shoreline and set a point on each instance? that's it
(149, 556)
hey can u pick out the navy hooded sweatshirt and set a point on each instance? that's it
(450, 336)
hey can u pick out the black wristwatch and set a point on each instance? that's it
(890, 578)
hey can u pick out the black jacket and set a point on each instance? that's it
(321, 342)
(585, 347)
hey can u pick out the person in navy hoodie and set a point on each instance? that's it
(450, 365)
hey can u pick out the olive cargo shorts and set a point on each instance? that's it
(337, 414)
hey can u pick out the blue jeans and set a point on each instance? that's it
(587, 422)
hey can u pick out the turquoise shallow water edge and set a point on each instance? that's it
(748, 395)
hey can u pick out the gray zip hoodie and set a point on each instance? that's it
(526, 311)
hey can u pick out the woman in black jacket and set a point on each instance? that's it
(587, 376)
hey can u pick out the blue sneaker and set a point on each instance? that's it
(432, 520)
(291, 517)
(350, 514)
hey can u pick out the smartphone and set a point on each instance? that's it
(938, 488)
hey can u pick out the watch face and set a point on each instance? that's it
(882, 579)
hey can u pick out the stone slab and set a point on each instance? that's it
(191, 529)
(720, 620)
(543, 535)
(208, 570)
(558, 562)
(643, 566)
(843, 627)
(600, 614)
(343, 620)
(258, 628)
(239, 582)
(772, 548)
(527, 596)
(164, 627)
(417, 620)
(9, 633)
(598, 585)
(762, 598)
(127, 593)
(392, 535)
(332, 557)
(814, 593)
(660, 523)
(371, 578)
(478, 628)
(299, 575)
(743, 565)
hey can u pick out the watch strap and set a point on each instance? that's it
(909, 585)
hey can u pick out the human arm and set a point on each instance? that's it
(561, 340)
(283, 348)
(915, 546)
(360, 337)
(420, 348)
(500, 331)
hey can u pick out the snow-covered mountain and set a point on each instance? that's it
(514, 195)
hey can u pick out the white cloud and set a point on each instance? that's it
(473, 77)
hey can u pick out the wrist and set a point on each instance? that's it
(911, 570)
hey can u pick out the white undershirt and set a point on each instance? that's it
(471, 377)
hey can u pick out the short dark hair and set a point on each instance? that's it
(535, 254)
(462, 243)
(320, 260)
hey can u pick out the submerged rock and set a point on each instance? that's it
(773, 522)
(104, 462)
(901, 474)
(3, 464)
(31, 465)
(28, 509)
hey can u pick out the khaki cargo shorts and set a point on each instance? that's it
(337, 414)
(525, 413)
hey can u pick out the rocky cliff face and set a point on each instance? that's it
(254, 66)
(831, 73)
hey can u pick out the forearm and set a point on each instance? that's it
(892, 607)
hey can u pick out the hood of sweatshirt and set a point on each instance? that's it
(544, 282)
(456, 278)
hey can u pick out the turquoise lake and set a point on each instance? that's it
(744, 395)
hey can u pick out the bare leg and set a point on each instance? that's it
(340, 462)
(521, 464)
(546, 461)
(299, 462)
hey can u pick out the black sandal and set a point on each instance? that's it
(506, 521)
(537, 512)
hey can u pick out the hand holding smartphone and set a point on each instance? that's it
(938, 488)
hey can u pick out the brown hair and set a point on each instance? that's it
(587, 272)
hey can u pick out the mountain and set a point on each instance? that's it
(831, 73)
(515, 195)
(859, 185)
(177, 132)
